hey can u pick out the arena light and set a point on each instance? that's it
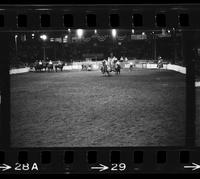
(133, 31)
(143, 33)
(95, 31)
(168, 31)
(69, 30)
(32, 35)
(66, 36)
(114, 33)
(79, 33)
(16, 36)
(43, 37)
(52, 40)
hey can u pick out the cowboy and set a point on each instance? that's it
(118, 62)
(117, 67)
(131, 66)
(123, 59)
(160, 62)
(111, 61)
(50, 62)
(104, 62)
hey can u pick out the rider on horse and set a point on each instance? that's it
(160, 62)
(117, 67)
(111, 62)
(118, 62)
(104, 62)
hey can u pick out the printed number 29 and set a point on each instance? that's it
(116, 167)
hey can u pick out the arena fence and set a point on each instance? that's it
(96, 66)
(197, 84)
(141, 64)
(19, 70)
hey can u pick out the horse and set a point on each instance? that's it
(117, 69)
(40, 67)
(160, 64)
(45, 65)
(49, 67)
(105, 69)
(131, 68)
(59, 66)
(84, 67)
(89, 68)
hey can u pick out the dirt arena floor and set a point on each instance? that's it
(86, 109)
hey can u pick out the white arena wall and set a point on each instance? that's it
(19, 70)
(197, 84)
(95, 66)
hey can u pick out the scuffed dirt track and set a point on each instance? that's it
(81, 109)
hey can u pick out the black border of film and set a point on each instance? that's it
(76, 160)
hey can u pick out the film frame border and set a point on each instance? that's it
(150, 155)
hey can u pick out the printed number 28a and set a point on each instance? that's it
(26, 167)
(116, 167)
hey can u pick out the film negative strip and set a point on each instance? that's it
(100, 89)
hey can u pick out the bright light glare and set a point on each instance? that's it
(95, 31)
(79, 32)
(43, 37)
(66, 36)
(133, 31)
(143, 33)
(114, 33)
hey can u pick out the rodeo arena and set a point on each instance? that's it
(86, 88)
